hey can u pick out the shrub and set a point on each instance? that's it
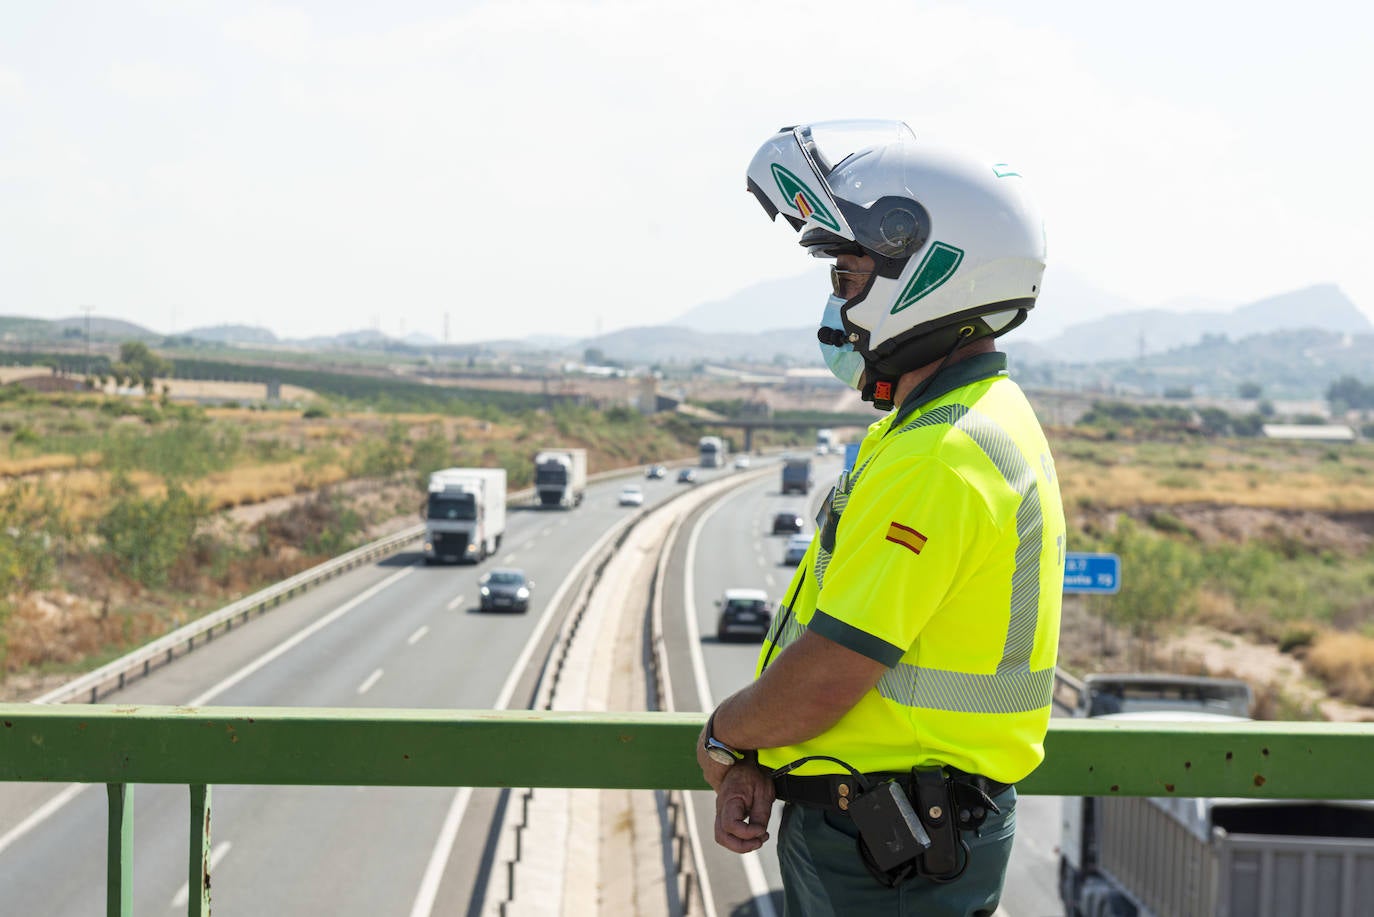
(146, 536)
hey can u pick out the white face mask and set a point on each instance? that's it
(844, 362)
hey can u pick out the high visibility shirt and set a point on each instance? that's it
(941, 555)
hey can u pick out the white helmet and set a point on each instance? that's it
(958, 245)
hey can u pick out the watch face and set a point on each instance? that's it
(720, 755)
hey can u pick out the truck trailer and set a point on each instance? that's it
(1157, 857)
(560, 477)
(796, 475)
(465, 514)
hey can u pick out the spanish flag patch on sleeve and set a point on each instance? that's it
(906, 537)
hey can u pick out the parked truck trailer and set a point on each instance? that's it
(465, 514)
(1153, 857)
(560, 477)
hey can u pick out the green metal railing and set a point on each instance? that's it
(125, 745)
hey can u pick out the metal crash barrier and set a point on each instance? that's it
(121, 746)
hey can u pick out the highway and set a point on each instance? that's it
(400, 634)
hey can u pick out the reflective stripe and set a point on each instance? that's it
(1014, 688)
(965, 692)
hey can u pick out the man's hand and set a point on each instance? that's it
(744, 800)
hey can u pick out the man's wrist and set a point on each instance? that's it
(722, 753)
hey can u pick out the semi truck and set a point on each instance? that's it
(465, 514)
(826, 442)
(712, 450)
(560, 477)
(1148, 857)
(796, 475)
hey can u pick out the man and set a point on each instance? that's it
(905, 685)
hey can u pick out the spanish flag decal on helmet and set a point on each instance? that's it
(908, 538)
(803, 198)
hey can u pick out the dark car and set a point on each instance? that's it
(655, 472)
(687, 476)
(787, 524)
(505, 589)
(743, 613)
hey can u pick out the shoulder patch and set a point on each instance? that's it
(906, 536)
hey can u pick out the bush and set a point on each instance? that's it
(146, 536)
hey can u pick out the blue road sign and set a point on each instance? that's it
(1099, 573)
(851, 455)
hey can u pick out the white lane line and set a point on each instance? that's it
(41, 813)
(547, 530)
(52, 806)
(423, 629)
(508, 558)
(753, 869)
(369, 681)
(428, 891)
(180, 898)
(300, 637)
(457, 601)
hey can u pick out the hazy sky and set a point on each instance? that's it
(572, 167)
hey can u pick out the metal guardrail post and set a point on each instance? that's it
(119, 856)
(198, 871)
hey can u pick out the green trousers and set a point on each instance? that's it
(823, 874)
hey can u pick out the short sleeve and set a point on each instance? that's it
(903, 538)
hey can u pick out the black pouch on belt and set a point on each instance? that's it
(935, 808)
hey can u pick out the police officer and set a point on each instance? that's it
(905, 684)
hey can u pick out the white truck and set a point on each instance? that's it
(465, 514)
(560, 477)
(1147, 857)
(826, 442)
(712, 451)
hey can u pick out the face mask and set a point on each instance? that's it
(845, 363)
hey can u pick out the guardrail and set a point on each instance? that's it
(122, 746)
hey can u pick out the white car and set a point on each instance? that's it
(796, 548)
(741, 461)
(631, 496)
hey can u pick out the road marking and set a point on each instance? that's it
(41, 813)
(52, 806)
(369, 681)
(300, 637)
(448, 834)
(180, 898)
(768, 578)
(457, 600)
(508, 558)
(546, 530)
(753, 869)
(424, 628)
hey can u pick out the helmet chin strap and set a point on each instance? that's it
(881, 389)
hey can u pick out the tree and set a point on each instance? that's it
(1351, 393)
(138, 365)
(1250, 390)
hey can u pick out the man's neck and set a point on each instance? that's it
(907, 382)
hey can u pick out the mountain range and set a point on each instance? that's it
(773, 322)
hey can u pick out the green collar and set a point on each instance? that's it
(965, 372)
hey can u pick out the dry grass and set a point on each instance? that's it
(259, 483)
(1129, 485)
(21, 467)
(1345, 662)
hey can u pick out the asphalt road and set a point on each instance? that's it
(397, 634)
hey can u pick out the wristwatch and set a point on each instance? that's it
(718, 751)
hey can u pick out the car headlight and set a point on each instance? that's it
(486, 591)
(522, 593)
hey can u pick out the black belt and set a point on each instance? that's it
(834, 791)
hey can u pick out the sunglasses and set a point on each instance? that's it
(839, 280)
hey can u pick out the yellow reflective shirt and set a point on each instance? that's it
(941, 555)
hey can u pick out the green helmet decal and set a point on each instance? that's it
(802, 198)
(939, 264)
